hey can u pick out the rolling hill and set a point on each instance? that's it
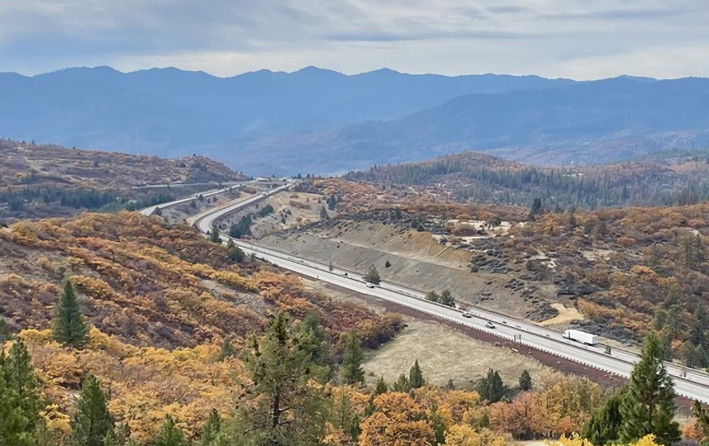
(49, 180)
(673, 178)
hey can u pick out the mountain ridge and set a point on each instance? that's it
(322, 121)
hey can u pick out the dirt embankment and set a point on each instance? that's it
(280, 212)
(415, 259)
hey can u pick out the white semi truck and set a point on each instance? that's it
(581, 336)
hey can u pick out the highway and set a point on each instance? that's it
(150, 210)
(689, 383)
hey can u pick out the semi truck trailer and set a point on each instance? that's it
(581, 336)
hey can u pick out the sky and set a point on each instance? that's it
(579, 39)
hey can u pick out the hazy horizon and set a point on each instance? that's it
(345, 73)
(573, 39)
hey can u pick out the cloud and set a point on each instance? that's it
(549, 37)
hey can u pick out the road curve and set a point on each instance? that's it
(689, 383)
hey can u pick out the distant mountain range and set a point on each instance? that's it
(316, 120)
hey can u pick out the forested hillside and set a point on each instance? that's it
(673, 179)
(48, 180)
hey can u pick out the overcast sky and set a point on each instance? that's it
(581, 39)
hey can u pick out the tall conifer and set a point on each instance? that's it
(649, 403)
(92, 422)
(69, 327)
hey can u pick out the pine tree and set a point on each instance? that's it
(68, 327)
(491, 388)
(170, 434)
(536, 208)
(287, 408)
(525, 381)
(450, 385)
(20, 401)
(372, 275)
(234, 253)
(211, 428)
(381, 387)
(416, 376)
(649, 403)
(401, 384)
(214, 236)
(313, 339)
(604, 425)
(352, 357)
(92, 422)
(5, 332)
(345, 418)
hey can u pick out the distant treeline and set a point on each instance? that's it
(81, 198)
(556, 187)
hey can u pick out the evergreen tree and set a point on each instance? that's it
(401, 384)
(450, 385)
(648, 406)
(314, 341)
(214, 235)
(525, 381)
(381, 387)
(68, 327)
(5, 332)
(332, 202)
(20, 401)
(91, 422)
(323, 214)
(536, 208)
(234, 253)
(438, 424)
(170, 434)
(211, 428)
(288, 411)
(372, 275)
(491, 388)
(604, 425)
(345, 418)
(352, 357)
(416, 376)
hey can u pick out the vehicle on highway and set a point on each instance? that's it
(581, 336)
(467, 314)
(345, 274)
(489, 324)
(370, 285)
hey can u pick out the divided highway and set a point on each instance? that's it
(689, 383)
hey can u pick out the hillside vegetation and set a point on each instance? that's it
(152, 285)
(47, 180)
(626, 270)
(483, 178)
